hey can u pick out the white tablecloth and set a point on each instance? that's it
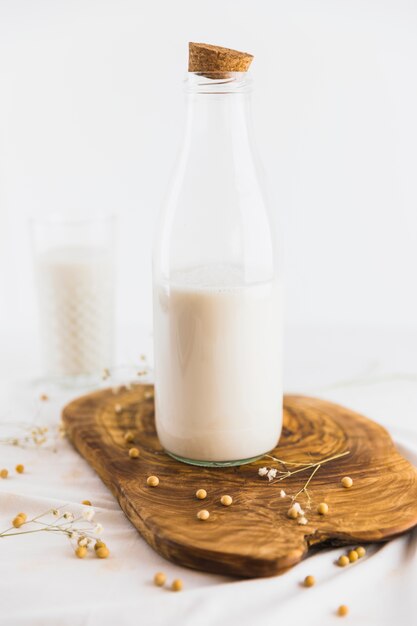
(42, 583)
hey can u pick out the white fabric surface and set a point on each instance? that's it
(42, 583)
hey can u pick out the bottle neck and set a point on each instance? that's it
(218, 115)
(216, 214)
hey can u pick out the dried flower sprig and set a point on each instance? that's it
(32, 436)
(276, 475)
(117, 375)
(81, 529)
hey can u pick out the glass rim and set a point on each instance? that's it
(218, 82)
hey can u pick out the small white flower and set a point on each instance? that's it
(73, 535)
(83, 541)
(88, 514)
(302, 520)
(69, 516)
(282, 494)
(298, 508)
(98, 529)
(55, 512)
(272, 474)
(262, 471)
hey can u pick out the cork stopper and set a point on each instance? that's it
(214, 61)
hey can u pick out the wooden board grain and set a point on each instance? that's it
(253, 537)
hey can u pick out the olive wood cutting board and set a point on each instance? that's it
(254, 536)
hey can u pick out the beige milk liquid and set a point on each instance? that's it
(218, 360)
(76, 309)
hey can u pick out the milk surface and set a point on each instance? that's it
(76, 309)
(218, 356)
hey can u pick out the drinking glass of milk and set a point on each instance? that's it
(217, 288)
(75, 279)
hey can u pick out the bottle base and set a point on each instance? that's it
(214, 463)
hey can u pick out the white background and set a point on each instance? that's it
(91, 112)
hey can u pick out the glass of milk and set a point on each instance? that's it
(74, 266)
(218, 299)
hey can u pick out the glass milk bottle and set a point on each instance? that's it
(217, 291)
